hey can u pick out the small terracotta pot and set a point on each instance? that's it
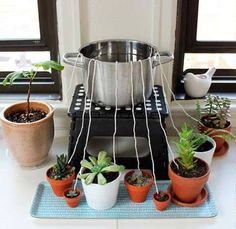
(187, 189)
(161, 205)
(59, 186)
(72, 202)
(138, 194)
(29, 143)
(219, 141)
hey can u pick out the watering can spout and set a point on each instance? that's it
(210, 72)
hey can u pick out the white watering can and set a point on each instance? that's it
(197, 86)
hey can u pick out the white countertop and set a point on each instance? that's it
(19, 184)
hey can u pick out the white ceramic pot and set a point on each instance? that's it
(102, 197)
(207, 155)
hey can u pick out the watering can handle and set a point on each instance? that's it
(165, 58)
(73, 59)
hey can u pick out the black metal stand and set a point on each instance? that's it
(103, 125)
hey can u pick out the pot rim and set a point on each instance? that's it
(212, 128)
(58, 181)
(77, 190)
(211, 140)
(49, 114)
(100, 185)
(118, 40)
(190, 178)
(166, 192)
(138, 187)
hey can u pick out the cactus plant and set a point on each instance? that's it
(61, 170)
(98, 168)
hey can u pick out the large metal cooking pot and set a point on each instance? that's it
(107, 52)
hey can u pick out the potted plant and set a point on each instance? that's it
(100, 181)
(188, 173)
(214, 119)
(161, 200)
(72, 197)
(138, 184)
(61, 175)
(28, 127)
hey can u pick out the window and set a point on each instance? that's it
(206, 37)
(28, 34)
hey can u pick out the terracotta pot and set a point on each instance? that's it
(72, 202)
(29, 143)
(219, 141)
(187, 189)
(59, 186)
(138, 194)
(161, 205)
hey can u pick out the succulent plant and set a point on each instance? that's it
(187, 144)
(61, 170)
(138, 179)
(98, 168)
(216, 112)
(72, 193)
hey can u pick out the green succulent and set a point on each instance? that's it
(98, 167)
(186, 146)
(61, 170)
(215, 113)
(72, 193)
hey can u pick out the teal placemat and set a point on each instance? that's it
(47, 205)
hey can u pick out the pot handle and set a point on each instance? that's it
(166, 57)
(77, 59)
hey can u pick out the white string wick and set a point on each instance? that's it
(148, 131)
(90, 108)
(115, 115)
(172, 93)
(159, 116)
(83, 115)
(133, 115)
(72, 75)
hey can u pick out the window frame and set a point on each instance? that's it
(186, 42)
(45, 82)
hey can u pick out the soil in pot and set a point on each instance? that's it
(206, 146)
(23, 117)
(199, 170)
(161, 200)
(138, 187)
(72, 197)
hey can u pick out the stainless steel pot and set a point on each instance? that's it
(107, 53)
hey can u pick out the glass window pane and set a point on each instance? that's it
(207, 60)
(19, 20)
(216, 20)
(14, 61)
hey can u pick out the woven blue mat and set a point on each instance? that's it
(47, 205)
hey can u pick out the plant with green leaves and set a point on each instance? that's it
(97, 168)
(215, 113)
(186, 146)
(139, 179)
(61, 170)
(30, 76)
(72, 193)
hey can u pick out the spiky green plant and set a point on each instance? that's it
(61, 170)
(98, 167)
(186, 146)
(30, 76)
(215, 113)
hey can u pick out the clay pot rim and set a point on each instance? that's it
(211, 128)
(138, 187)
(58, 181)
(68, 189)
(190, 178)
(49, 114)
(166, 192)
